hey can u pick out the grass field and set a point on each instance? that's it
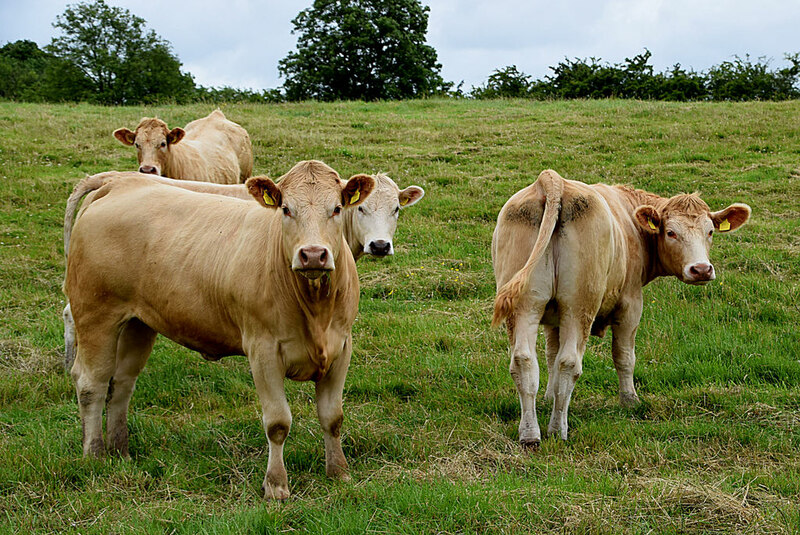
(431, 412)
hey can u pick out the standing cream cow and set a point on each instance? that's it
(211, 149)
(270, 280)
(573, 258)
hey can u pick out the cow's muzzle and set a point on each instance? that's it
(313, 261)
(148, 170)
(379, 248)
(699, 273)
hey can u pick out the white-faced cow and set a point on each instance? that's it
(211, 149)
(369, 231)
(271, 280)
(574, 258)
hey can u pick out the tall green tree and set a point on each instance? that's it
(123, 62)
(362, 50)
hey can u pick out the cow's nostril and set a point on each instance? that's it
(148, 170)
(323, 257)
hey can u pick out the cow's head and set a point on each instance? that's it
(153, 141)
(311, 198)
(684, 227)
(375, 221)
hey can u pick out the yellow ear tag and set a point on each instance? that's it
(725, 225)
(652, 225)
(404, 201)
(355, 197)
(268, 199)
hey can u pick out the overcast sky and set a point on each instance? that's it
(238, 43)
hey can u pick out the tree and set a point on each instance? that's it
(122, 62)
(362, 50)
(507, 82)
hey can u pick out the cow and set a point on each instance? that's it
(369, 231)
(271, 280)
(211, 149)
(573, 258)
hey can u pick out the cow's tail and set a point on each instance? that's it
(85, 186)
(508, 295)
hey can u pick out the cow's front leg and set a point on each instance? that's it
(622, 350)
(277, 419)
(329, 410)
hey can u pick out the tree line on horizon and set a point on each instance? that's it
(347, 50)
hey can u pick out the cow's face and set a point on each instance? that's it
(684, 228)
(153, 141)
(311, 198)
(375, 220)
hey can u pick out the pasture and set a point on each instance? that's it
(431, 413)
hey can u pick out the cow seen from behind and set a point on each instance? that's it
(573, 258)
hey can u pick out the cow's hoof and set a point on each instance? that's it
(531, 444)
(337, 472)
(629, 400)
(275, 492)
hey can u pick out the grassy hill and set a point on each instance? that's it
(431, 412)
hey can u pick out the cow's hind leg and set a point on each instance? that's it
(551, 351)
(329, 410)
(568, 367)
(91, 372)
(524, 369)
(133, 348)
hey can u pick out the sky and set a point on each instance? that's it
(238, 43)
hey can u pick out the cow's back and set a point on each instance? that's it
(218, 138)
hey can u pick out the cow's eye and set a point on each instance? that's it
(286, 211)
(710, 233)
(361, 209)
(337, 210)
(671, 234)
(396, 209)
(163, 144)
(136, 145)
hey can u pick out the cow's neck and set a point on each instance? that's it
(652, 268)
(178, 159)
(316, 301)
(356, 247)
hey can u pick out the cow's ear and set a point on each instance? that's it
(731, 218)
(648, 219)
(125, 136)
(264, 191)
(175, 135)
(410, 196)
(357, 189)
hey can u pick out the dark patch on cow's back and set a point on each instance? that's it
(576, 208)
(525, 213)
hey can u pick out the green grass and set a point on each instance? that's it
(431, 412)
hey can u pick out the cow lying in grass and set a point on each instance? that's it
(368, 231)
(271, 280)
(574, 258)
(211, 149)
